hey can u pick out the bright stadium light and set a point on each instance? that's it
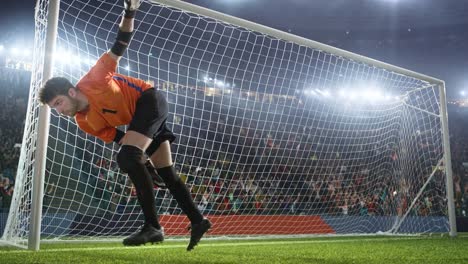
(372, 95)
(75, 60)
(366, 94)
(310, 92)
(219, 83)
(1, 48)
(325, 93)
(14, 51)
(26, 53)
(352, 95)
(377, 95)
(462, 93)
(61, 56)
(89, 61)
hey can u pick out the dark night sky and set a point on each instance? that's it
(427, 36)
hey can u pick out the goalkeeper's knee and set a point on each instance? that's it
(130, 158)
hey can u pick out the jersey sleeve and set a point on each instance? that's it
(100, 75)
(106, 134)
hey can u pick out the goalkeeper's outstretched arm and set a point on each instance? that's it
(125, 29)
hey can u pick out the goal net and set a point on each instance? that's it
(277, 135)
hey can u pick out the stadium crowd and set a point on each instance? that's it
(237, 155)
(13, 102)
(458, 122)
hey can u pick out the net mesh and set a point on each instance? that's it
(274, 138)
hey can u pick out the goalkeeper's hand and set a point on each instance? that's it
(131, 6)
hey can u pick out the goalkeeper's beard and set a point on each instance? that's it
(74, 105)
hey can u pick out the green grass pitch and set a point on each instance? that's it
(380, 249)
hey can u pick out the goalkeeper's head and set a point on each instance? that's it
(60, 94)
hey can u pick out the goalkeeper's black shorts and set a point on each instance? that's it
(150, 118)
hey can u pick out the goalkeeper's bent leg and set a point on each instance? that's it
(183, 197)
(181, 193)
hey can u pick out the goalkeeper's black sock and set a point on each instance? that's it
(181, 193)
(141, 178)
(145, 194)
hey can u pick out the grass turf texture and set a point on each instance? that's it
(423, 249)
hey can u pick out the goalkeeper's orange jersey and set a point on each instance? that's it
(112, 99)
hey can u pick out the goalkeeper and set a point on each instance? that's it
(103, 100)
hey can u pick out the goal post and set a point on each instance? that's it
(278, 135)
(43, 122)
(447, 161)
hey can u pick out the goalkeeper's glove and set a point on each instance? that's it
(131, 6)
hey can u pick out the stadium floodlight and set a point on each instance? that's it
(324, 93)
(373, 95)
(14, 51)
(367, 94)
(342, 93)
(287, 166)
(353, 95)
(89, 61)
(61, 56)
(219, 83)
(462, 93)
(26, 52)
(310, 92)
